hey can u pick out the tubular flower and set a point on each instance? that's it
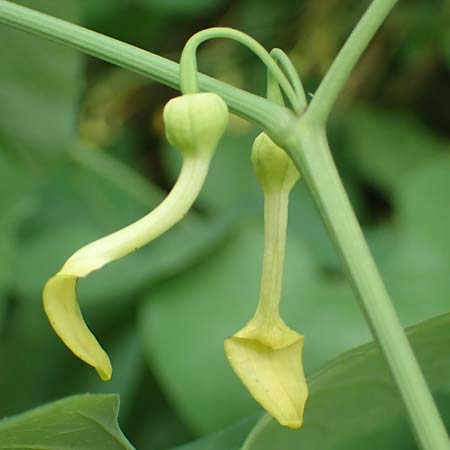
(266, 354)
(194, 124)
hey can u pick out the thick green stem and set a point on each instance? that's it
(340, 70)
(310, 152)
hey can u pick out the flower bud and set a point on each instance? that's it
(273, 167)
(194, 123)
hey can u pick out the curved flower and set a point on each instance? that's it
(194, 124)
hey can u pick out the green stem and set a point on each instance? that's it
(188, 61)
(340, 70)
(249, 106)
(310, 152)
(273, 92)
(286, 64)
(275, 226)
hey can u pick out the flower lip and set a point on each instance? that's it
(273, 374)
(63, 312)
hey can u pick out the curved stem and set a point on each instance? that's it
(273, 92)
(286, 64)
(345, 61)
(188, 61)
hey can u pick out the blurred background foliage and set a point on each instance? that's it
(82, 153)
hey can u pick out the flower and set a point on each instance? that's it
(266, 354)
(194, 124)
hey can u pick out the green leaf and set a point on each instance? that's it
(230, 162)
(423, 204)
(15, 206)
(82, 422)
(229, 439)
(181, 7)
(385, 146)
(2, 311)
(417, 277)
(353, 402)
(128, 367)
(25, 380)
(39, 87)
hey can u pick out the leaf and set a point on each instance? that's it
(229, 439)
(385, 146)
(417, 277)
(3, 306)
(81, 422)
(353, 401)
(423, 203)
(230, 162)
(25, 381)
(128, 360)
(38, 107)
(15, 203)
(181, 7)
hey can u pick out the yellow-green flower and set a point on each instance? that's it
(266, 354)
(194, 124)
